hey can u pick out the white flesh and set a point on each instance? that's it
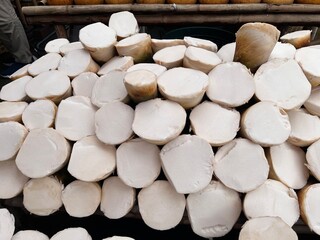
(82, 85)
(72, 233)
(76, 62)
(117, 198)
(30, 235)
(99, 39)
(116, 63)
(64, 49)
(305, 127)
(118, 238)
(266, 228)
(15, 90)
(75, 118)
(234, 162)
(214, 123)
(12, 135)
(12, 179)
(160, 206)
(109, 88)
(283, 51)
(200, 43)
(159, 121)
(39, 114)
(124, 23)
(170, 57)
(313, 159)
(200, 59)
(283, 82)
(53, 46)
(298, 38)
(53, 85)
(6, 224)
(81, 199)
(20, 72)
(179, 165)
(158, 44)
(48, 62)
(92, 160)
(12, 111)
(272, 199)
(230, 84)
(226, 52)
(138, 163)
(214, 210)
(266, 124)
(113, 123)
(42, 196)
(288, 165)
(183, 85)
(313, 102)
(36, 162)
(152, 67)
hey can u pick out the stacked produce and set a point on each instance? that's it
(173, 126)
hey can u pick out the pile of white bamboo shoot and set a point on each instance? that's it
(235, 129)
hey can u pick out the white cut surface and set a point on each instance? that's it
(170, 57)
(75, 118)
(138, 163)
(12, 135)
(214, 210)
(92, 160)
(266, 124)
(68, 47)
(82, 84)
(272, 199)
(309, 207)
(30, 235)
(313, 102)
(283, 51)
(21, 72)
(11, 111)
(158, 121)
(200, 59)
(117, 198)
(152, 67)
(81, 199)
(266, 228)
(42, 196)
(48, 62)
(72, 233)
(179, 165)
(216, 124)
(296, 34)
(226, 52)
(160, 206)
(308, 59)
(234, 164)
(76, 62)
(36, 162)
(15, 90)
(200, 43)
(124, 23)
(158, 44)
(113, 123)
(118, 238)
(109, 88)
(53, 46)
(305, 127)
(230, 84)
(39, 114)
(283, 82)
(289, 165)
(183, 85)
(313, 159)
(299, 38)
(50, 84)
(116, 63)
(6, 224)
(12, 179)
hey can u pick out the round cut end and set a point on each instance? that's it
(124, 23)
(7, 224)
(72, 233)
(54, 45)
(170, 57)
(82, 85)
(283, 51)
(152, 67)
(12, 111)
(226, 52)
(15, 90)
(200, 43)
(30, 235)
(313, 159)
(48, 62)
(313, 102)
(116, 63)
